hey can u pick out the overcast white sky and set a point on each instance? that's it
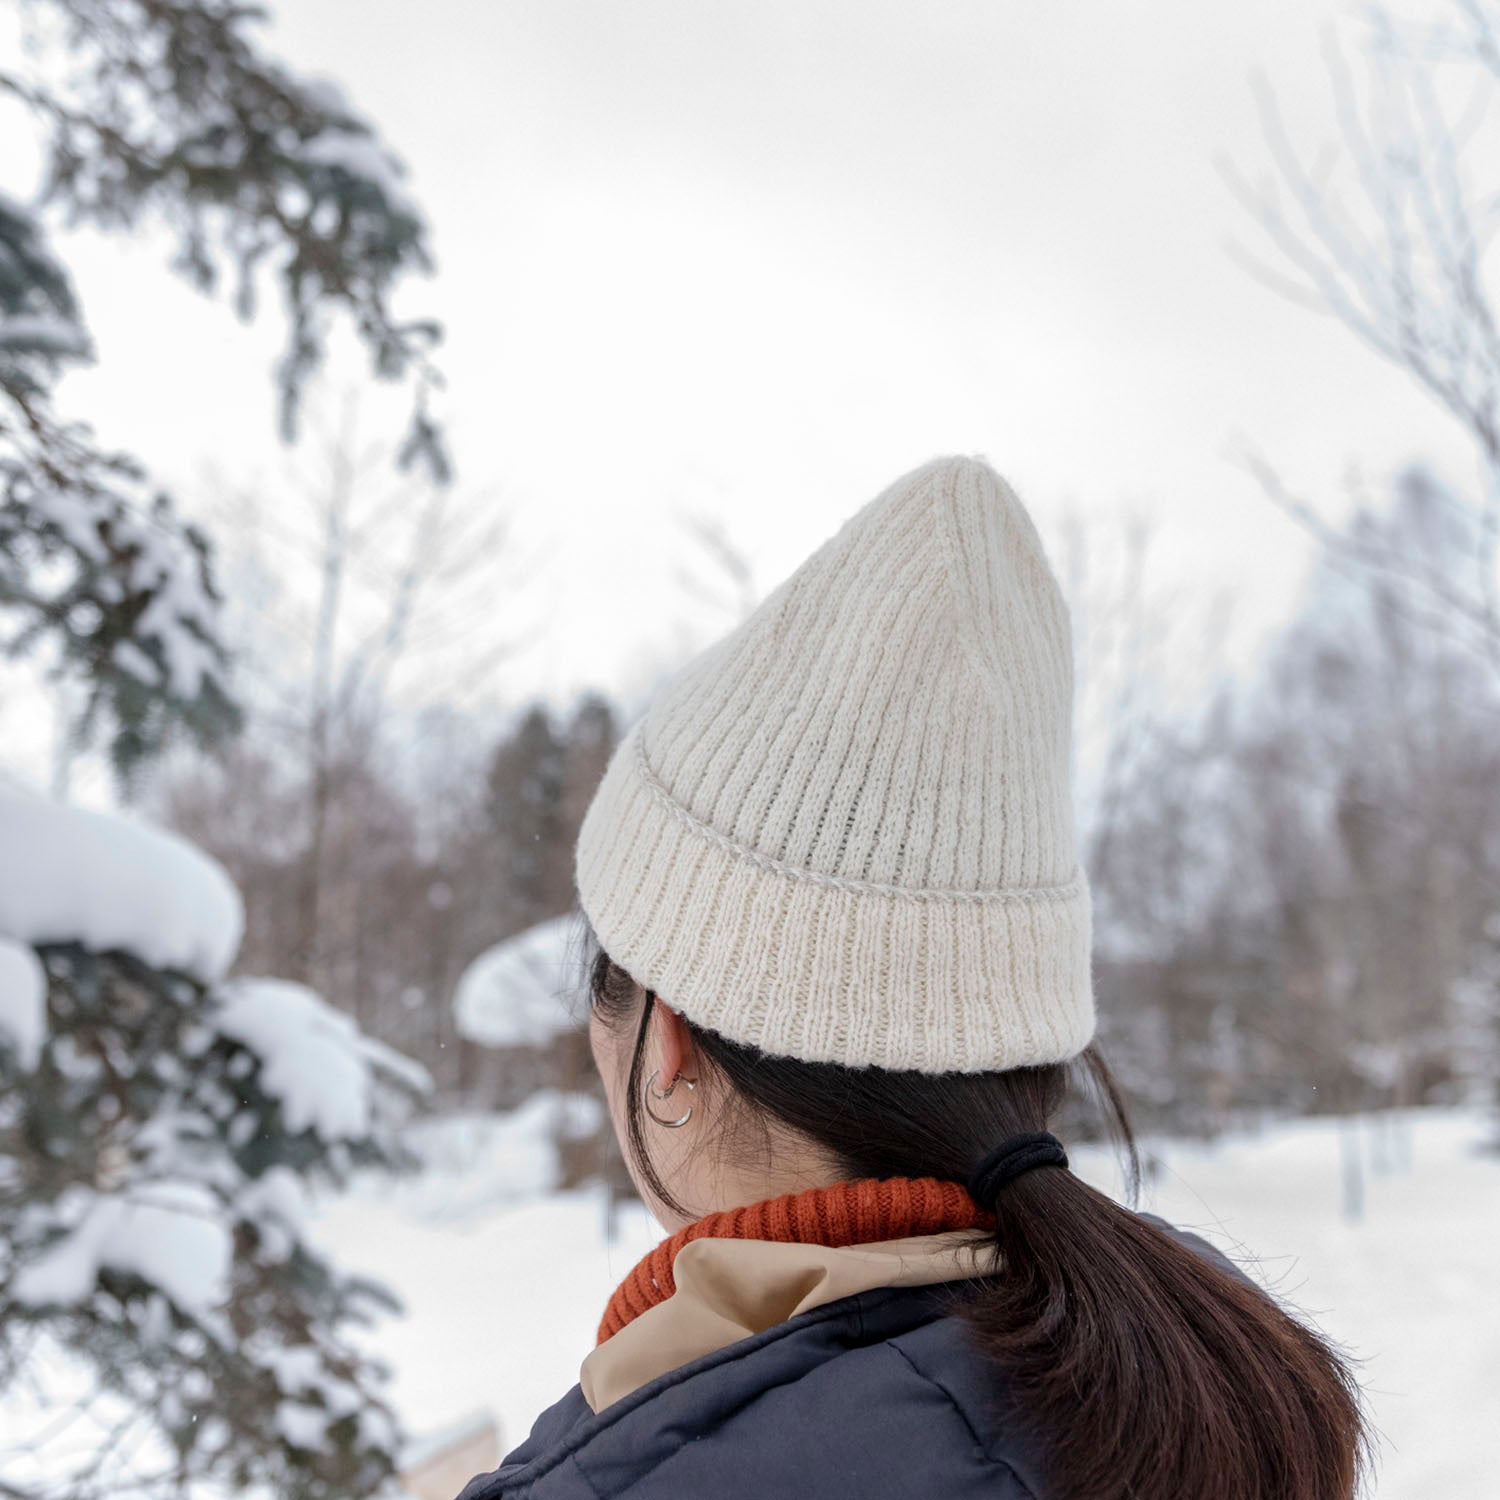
(759, 258)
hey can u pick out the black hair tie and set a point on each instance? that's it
(1013, 1156)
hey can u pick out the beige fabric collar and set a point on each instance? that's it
(729, 1289)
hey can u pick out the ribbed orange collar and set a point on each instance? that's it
(846, 1213)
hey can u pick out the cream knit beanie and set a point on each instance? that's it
(844, 833)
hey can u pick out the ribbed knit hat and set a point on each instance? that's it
(844, 832)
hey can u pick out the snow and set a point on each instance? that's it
(361, 155)
(43, 1456)
(39, 333)
(130, 659)
(513, 995)
(171, 1234)
(140, 549)
(302, 1426)
(13, 206)
(421, 1450)
(315, 1398)
(498, 1312)
(23, 1002)
(328, 95)
(176, 603)
(107, 881)
(472, 1163)
(502, 1306)
(278, 1204)
(313, 1059)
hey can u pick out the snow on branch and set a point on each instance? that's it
(108, 882)
(177, 113)
(163, 1134)
(325, 1074)
(108, 574)
(514, 994)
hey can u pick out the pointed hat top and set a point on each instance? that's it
(844, 831)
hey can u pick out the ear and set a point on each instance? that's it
(674, 1043)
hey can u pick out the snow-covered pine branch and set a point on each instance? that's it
(177, 115)
(94, 567)
(161, 1131)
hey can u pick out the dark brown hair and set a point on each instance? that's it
(1155, 1373)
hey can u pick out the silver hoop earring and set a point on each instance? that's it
(653, 1093)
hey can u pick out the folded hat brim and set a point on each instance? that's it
(820, 967)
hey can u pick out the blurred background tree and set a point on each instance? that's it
(1394, 235)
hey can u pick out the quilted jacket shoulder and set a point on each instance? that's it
(877, 1396)
(873, 1397)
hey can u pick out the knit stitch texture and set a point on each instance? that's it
(856, 1212)
(844, 832)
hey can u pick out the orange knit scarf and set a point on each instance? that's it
(847, 1213)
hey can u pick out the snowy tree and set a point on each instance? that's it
(1477, 1000)
(175, 113)
(172, 115)
(1292, 902)
(92, 562)
(160, 1130)
(162, 1125)
(1393, 233)
(525, 806)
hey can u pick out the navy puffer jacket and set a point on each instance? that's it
(878, 1396)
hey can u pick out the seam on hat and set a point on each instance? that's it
(1018, 895)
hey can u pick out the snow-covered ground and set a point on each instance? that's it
(502, 1300)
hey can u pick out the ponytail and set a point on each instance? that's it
(1169, 1374)
(1152, 1371)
